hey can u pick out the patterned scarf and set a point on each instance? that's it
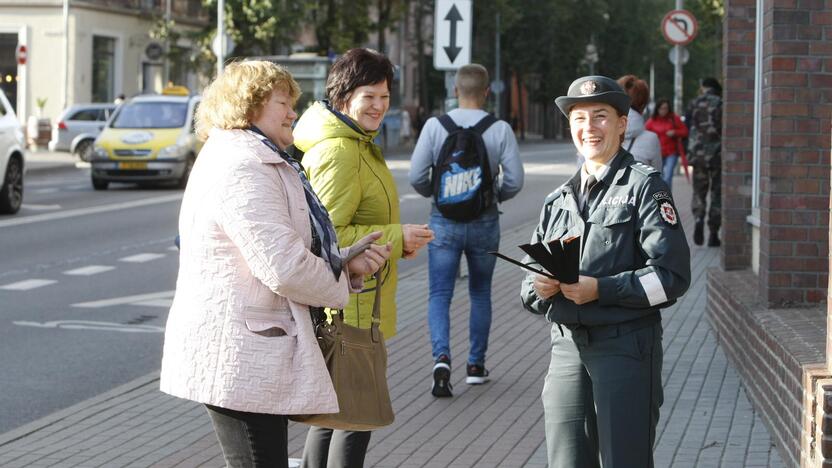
(318, 216)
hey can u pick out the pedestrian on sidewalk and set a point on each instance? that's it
(642, 144)
(603, 390)
(671, 131)
(706, 158)
(476, 233)
(258, 252)
(350, 175)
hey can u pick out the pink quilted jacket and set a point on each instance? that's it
(245, 268)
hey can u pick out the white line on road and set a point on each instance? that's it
(26, 285)
(124, 300)
(45, 190)
(141, 258)
(163, 303)
(410, 196)
(28, 206)
(175, 197)
(90, 325)
(89, 270)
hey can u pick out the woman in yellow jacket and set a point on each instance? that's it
(348, 172)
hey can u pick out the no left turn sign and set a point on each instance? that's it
(679, 27)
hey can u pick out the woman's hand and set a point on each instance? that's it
(585, 290)
(546, 287)
(415, 236)
(369, 261)
(671, 133)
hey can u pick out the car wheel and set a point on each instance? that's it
(189, 164)
(84, 150)
(99, 184)
(11, 193)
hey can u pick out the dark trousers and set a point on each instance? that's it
(251, 440)
(601, 399)
(326, 448)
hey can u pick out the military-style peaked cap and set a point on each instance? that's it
(594, 89)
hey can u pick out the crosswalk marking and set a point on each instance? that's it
(89, 270)
(125, 300)
(26, 285)
(141, 258)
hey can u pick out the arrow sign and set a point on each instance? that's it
(453, 16)
(679, 27)
(452, 34)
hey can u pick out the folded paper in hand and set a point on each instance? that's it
(559, 258)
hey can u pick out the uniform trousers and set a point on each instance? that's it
(601, 398)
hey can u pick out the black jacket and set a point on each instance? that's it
(632, 242)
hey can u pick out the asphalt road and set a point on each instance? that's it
(86, 279)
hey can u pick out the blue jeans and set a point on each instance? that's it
(668, 168)
(475, 239)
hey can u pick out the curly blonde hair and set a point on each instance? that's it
(234, 98)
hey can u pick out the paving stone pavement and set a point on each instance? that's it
(706, 419)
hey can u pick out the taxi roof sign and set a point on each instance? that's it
(176, 91)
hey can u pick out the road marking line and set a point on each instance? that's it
(410, 196)
(141, 258)
(90, 325)
(40, 207)
(173, 248)
(124, 300)
(46, 190)
(26, 285)
(163, 303)
(89, 270)
(91, 210)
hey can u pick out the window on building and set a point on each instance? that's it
(103, 68)
(179, 58)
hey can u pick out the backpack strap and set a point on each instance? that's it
(484, 123)
(448, 123)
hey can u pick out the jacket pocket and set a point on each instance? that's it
(616, 216)
(268, 322)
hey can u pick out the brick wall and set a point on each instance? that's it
(794, 171)
(737, 132)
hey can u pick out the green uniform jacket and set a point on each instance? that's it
(349, 174)
(632, 242)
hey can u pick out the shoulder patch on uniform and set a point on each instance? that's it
(667, 211)
(643, 168)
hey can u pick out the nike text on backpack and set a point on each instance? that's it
(462, 184)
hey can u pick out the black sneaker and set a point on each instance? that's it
(477, 375)
(442, 377)
(713, 239)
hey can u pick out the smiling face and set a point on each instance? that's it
(596, 130)
(276, 117)
(367, 105)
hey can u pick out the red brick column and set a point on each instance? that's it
(737, 132)
(794, 174)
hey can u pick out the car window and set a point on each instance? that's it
(87, 115)
(151, 115)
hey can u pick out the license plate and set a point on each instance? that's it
(132, 165)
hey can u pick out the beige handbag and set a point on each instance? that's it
(357, 362)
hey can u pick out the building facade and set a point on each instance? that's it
(81, 51)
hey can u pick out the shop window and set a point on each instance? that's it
(103, 68)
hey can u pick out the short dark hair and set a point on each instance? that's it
(712, 83)
(659, 104)
(637, 90)
(357, 67)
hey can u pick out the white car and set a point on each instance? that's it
(12, 160)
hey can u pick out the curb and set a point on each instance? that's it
(60, 415)
(50, 167)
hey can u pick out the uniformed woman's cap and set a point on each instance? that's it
(594, 89)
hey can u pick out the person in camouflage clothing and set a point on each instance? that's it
(705, 154)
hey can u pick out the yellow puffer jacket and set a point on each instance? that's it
(349, 174)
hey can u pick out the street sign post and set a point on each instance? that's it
(679, 27)
(452, 34)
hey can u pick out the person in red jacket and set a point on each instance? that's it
(671, 130)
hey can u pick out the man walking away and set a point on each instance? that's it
(464, 216)
(706, 158)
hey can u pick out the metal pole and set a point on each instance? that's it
(497, 66)
(65, 91)
(652, 82)
(166, 68)
(221, 35)
(678, 78)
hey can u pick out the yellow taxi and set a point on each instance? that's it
(148, 139)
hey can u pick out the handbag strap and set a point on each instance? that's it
(338, 318)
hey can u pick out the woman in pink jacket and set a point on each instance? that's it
(258, 252)
(671, 130)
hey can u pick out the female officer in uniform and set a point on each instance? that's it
(603, 390)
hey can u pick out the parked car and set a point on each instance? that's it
(12, 159)
(148, 139)
(78, 126)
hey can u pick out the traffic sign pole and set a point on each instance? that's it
(678, 74)
(679, 28)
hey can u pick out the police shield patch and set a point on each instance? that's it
(667, 211)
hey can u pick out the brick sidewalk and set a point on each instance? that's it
(706, 419)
